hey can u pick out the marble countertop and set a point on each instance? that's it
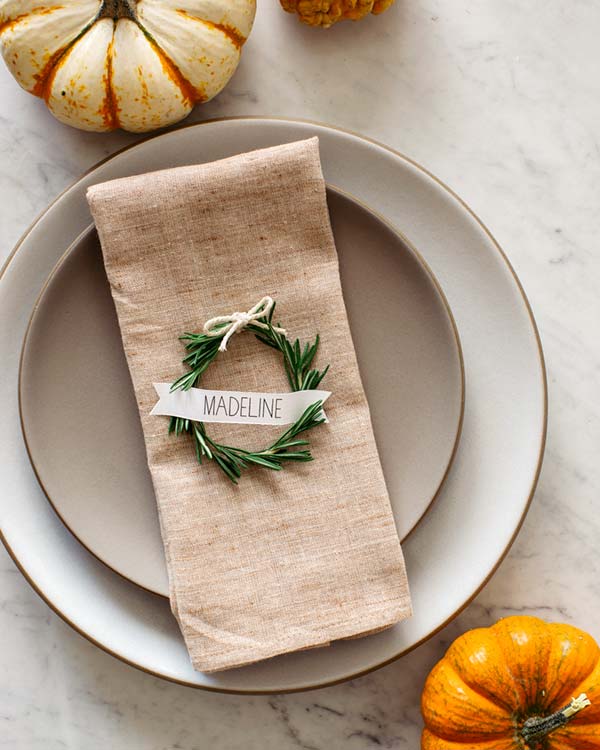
(500, 100)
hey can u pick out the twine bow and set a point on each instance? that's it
(237, 321)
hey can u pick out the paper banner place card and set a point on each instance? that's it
(234, 407)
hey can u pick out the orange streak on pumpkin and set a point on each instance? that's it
(109, 110)
(40, 11)
(230, 32)
(190, 94)
(44, 79)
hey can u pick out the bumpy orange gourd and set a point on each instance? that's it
(324, 13)
(503, 688)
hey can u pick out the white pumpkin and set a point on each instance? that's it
(133, 64)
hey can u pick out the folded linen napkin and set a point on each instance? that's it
(286, 560)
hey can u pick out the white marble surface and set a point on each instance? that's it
(500, 100)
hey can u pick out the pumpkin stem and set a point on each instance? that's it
(116, 9)
(537, 727)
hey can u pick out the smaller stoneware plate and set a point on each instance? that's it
(80, 418)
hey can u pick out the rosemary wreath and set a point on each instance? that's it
(201, 351)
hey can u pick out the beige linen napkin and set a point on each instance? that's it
(286, 560)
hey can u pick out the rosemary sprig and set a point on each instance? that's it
(202, 350)
(234, 460)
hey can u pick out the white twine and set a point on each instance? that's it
(237, 321)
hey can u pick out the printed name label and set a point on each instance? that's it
(237, 407)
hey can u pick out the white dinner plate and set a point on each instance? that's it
(484, 499)
(80, 418)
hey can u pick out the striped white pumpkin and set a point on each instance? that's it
(134, 64)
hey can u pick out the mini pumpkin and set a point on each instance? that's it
(325, 13)
(512, 687)
(134, 64)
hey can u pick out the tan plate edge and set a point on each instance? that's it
(540, 453)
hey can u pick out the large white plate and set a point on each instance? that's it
(486, 495)
(80, 418)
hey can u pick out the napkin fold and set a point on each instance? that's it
(286, 560)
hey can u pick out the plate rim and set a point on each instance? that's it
(330, 188)
(544, 384)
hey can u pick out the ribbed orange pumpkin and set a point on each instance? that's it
(510, 687)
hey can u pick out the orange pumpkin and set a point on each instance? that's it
(511, 687)
(325, 13)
